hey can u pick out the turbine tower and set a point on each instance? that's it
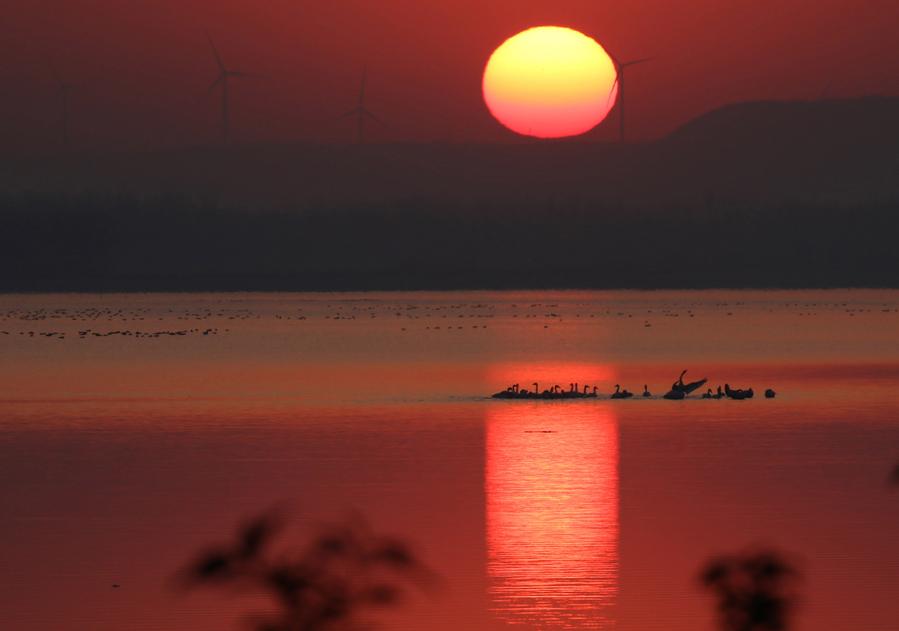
(360, 111)
(65, 90)
(223, 78)
(620, 67)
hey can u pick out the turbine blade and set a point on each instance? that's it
(614, 59)
(372, 116)
(215, 53)
(612, 89)
(362, 86)
(215, 83)
(246, 75)
(635, 62)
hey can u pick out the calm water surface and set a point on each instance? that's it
(146, 426)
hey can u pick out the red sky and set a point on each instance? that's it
(142, 67)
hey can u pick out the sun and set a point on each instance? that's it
(550, 82)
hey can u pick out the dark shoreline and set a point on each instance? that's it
(351, 290)
(124, 247)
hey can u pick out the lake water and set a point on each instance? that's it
(123, 452)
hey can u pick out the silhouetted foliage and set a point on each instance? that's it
(754, 590)
(96, 243)
(341, 572)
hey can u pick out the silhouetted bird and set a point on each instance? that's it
(770, 394)
(646, 392)
(686, 388)
(737, 394)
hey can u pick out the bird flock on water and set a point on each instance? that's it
(679, 390)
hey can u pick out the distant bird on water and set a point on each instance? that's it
(738, 394)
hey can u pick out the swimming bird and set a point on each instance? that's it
(770, 394)
(708, 394)
(675, 395)
(646, 392)
(508, 393)
(737, 394)
(687, 388)
(621, 394)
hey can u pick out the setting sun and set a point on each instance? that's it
(550, 82)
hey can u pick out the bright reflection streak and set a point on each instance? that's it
(552, 513)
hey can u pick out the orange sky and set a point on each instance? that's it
(142, 66)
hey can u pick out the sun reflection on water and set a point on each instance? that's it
(552, 514)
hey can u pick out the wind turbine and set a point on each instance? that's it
(620, 67)
(360, 111)
(225, 75)
(65, 89)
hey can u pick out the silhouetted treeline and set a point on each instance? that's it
(97, 243)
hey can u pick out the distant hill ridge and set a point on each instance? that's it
(765, 152)
(872, 119)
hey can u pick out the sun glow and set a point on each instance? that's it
(550, 82)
